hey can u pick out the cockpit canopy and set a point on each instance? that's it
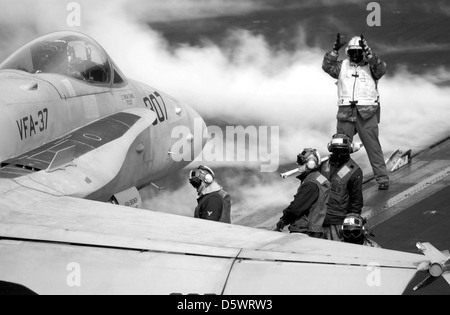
(66, 53)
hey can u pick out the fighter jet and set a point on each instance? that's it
(73, 123)
(76, 133)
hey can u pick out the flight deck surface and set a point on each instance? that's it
(415, 208)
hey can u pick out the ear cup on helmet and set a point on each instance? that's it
(208, 177)
(310, 158)
(311, 165)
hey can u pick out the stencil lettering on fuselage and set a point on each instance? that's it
(32, 125)
(85, 139)
(156, 103)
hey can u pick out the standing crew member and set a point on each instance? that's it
(346, 178)
(307, 211)
(358, 98)
(213, 202)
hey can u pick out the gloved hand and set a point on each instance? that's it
(338, 44)
(365, 47)
(280, 226)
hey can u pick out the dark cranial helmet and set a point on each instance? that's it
(353, 229)
(340, 144)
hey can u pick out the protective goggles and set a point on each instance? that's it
(340, 151)
(353, 233)
(355, 52)
(353, 227)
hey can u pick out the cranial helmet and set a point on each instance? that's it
(340, 143)
(310, 158)
(201, 174)
(354, 50)
(353, 229)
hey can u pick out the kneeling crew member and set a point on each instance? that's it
(213, 202)
(354, 231)
(307, 211)
(346, 179)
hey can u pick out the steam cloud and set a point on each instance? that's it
(246, 83)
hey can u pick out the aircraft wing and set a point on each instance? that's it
(431, 252)
(54, 244)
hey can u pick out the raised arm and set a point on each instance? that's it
(330, 63)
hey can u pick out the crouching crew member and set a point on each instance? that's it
(307, 211)
(354, 230)
(213, 202)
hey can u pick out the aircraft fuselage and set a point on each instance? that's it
(88, 140)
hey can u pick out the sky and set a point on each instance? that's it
(258, 63)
